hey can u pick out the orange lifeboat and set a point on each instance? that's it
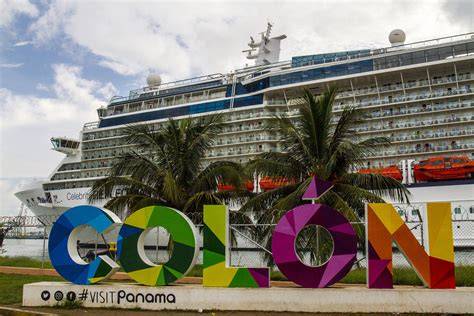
(229, 187)
(268, 183)
(390, 171)
(444, 168)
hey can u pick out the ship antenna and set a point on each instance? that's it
(267, 50)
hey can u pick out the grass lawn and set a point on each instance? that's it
(11, 286)
(23, 262)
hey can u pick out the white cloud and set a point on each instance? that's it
(42, 87)
(28, 122)
(22, 43)
(75, 99)
(9, 204)
(11, 65)
(181, 39)
(9, 9)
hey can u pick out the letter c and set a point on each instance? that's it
(62, 245)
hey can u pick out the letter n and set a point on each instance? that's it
(384, 226)
(216, 271)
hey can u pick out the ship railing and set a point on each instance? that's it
(370, 53)
(390, 49)
(91, 125)
(134, 94)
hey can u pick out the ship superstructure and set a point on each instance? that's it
(420, 95)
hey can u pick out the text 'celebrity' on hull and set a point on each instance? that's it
(420, 95)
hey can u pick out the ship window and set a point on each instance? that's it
(406, 59)
(460, 49)
(393, 61)
(471, 209)
(432, 54)
(419, 57)
(445, 52)
(414, 212)
(470, 47)
(457, 210)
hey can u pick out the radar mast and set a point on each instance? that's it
(267, 50)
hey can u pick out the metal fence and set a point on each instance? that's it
(254, 253)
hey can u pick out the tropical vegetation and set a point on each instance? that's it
(165, 167)
(319, 143)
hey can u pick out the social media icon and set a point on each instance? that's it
(71, 296)
(58, 296)
(45, 295)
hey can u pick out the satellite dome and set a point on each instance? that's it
(397, 37)
(153, 80)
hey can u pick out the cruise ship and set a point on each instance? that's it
(420, 95)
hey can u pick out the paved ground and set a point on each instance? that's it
(114, 312)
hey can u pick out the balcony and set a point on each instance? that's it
(453, 119)
(404, 98)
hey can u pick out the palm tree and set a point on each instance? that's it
(166, 168)
(317, 143)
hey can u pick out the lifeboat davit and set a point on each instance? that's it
(229, 187)
(268, 183)
(444, 168)
(390, 171)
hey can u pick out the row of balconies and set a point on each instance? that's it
(457, 145)
(426, 148)
(79, 175)
(164, 102)
(425, 108)
(420, 83)
(410, 124)
(85, 166)
(247, 127)
(68, 185)
(405, 97)
(103, 154)
(261, 138)
(242, 150)
(242, 116)
(429, 135)
(245, 139)
(361, 91)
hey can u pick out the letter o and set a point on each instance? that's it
(284, 238)
(131, 239)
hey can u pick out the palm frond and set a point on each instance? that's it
(378, 184)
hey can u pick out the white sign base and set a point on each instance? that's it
(350, 299)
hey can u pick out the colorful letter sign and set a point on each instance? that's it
(293, 222)
(131, 252)
(287, 260)
(62, 244)
(384, 226)
(216, 272)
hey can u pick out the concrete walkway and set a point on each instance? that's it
(119, 276)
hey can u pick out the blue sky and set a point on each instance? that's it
(61, 60)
